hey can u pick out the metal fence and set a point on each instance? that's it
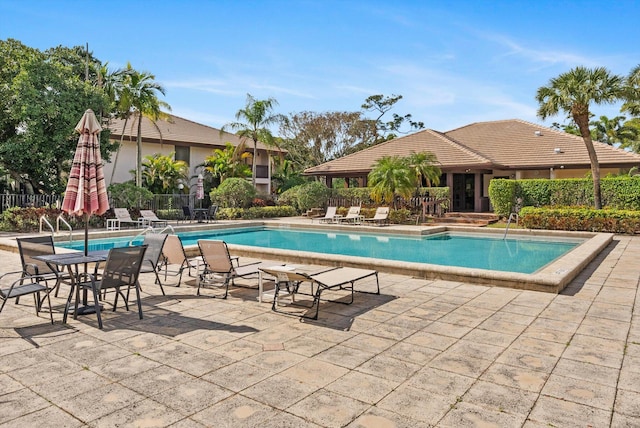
(427, 205)
(158, 202)
(19, 200)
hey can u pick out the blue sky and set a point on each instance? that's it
(454, 62)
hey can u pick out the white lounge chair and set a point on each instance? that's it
(150, 218)
(123, 218)
(353, 216)
(330, 215)
(341, 278)
(380, 217)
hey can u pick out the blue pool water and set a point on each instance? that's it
(449, 249)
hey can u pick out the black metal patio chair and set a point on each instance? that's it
(121, 270)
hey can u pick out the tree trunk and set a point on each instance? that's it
(582, 121)
(115, 161)
(253, 167)
(139, 153)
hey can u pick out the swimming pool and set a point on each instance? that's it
(519, 255)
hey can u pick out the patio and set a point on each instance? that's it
(423, 353)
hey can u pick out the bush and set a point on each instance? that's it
(18, 219)
(233, 193)
(502, 193)
(617, 192)
(305, 196)
(255, 212)
(402, 216)
(312, 195)
(583, 219)
(128, 195)
(290, 198)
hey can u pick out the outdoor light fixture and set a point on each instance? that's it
(557, 150)
(538, 133)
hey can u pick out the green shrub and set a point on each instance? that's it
(502, 194)
(233, 193)
(582, 219)
(617, 192)
(255, 212)
(290, 197)
(362, 194)
(305, 196)
(402, 216)
(128, 195)
(18, 219)
(312, 195)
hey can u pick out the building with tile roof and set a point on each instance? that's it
(191, 142)
(472, 155)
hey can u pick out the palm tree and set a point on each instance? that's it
(227, 162)
(390, 176)
(573, 92)
(252, 124)
(632, 92)
(423, 166)
(139, 98)
(162, 173)
(613, 131)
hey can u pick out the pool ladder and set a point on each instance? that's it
(152, 230)
(511, 217)
(60, 219)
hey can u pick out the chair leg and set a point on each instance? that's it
(159, 282)
(138, 299)
(96, 301)
(50, 309)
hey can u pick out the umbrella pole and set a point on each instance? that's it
(86, 235)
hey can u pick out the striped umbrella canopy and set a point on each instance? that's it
(200, 188)
(86, 192)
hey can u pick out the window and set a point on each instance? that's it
(183, 154)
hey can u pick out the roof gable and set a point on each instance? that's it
(177, 130)
(448, 152)
(519, 144)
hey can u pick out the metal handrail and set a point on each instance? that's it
(152, 230)
(168, 227)
(511, 217)
(142, 233)
(61, 219)
(43, 219)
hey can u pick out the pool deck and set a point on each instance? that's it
(426, 352)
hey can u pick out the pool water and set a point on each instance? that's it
(523, 255)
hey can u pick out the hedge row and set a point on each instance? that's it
(255, 212)
(617, 192)
(582, 219)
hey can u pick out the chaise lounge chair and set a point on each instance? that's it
(174, 259)
(330, 215)
(151, 261)
(218, 266)
(380, 217)
(123, 218)
(150, 218)
(341, 278)
(353, 216)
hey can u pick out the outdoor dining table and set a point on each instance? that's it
(72, 261)
(200, 214)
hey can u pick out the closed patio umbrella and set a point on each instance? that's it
(200, 189)
(86, 193)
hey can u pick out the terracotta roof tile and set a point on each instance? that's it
(448, 153)
(519, 144)
(503, 144)
(177, 131)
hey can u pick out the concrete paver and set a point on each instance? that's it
(424, 353)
